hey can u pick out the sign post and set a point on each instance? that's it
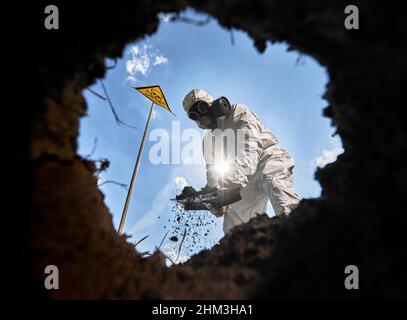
(155, 94)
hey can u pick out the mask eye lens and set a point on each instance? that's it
(193, 116)
(203, 107)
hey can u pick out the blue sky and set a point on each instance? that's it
(284, 93)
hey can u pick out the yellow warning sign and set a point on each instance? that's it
(155, 94)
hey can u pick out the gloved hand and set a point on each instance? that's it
(186, 192)
(221, 211)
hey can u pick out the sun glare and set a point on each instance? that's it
(222, 167)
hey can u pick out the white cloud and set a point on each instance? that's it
(134, 50)
(165, 17)
(141, 60)
(328, 156)
(131, 79)
(160, 60)
(180, 183)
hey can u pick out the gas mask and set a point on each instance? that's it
(205, 114)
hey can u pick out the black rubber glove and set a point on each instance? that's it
(186, 192)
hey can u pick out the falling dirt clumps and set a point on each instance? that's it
(191, 228)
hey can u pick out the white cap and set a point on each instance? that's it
(196, 95)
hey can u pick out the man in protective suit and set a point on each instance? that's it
(260, 166)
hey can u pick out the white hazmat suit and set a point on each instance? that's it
(260, 166)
